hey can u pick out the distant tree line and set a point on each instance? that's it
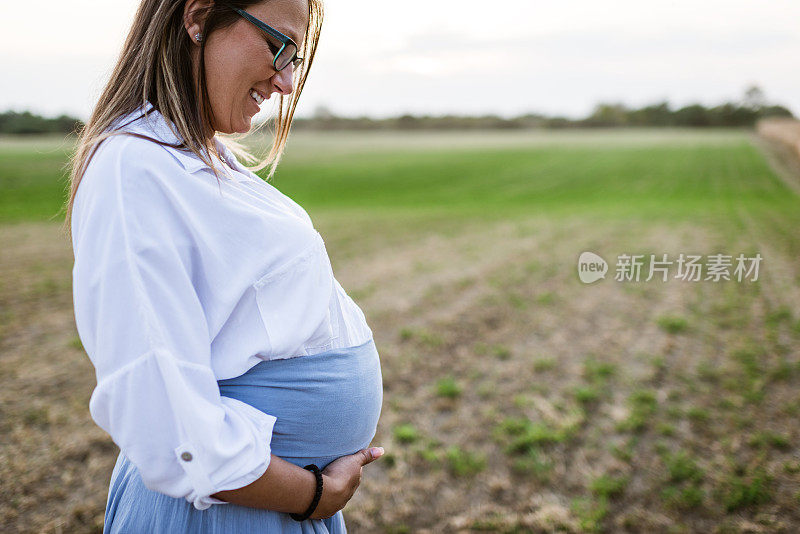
(745, 113)
(12, 122)
(604, 115)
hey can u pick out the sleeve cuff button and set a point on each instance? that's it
(186, 456)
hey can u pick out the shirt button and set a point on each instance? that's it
(186, 456)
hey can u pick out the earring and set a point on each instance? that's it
(198, 37)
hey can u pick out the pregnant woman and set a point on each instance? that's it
(239, 380)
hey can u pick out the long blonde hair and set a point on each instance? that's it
(155, 65)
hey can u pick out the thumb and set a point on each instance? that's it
(371, 454)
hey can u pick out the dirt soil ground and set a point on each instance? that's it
(517, 399)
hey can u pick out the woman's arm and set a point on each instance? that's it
(285, 487)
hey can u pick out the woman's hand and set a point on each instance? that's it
(340, 479)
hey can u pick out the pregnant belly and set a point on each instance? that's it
(327, 405)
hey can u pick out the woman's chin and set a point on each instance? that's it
(247, 123)
(242, 127)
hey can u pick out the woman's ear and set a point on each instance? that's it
(194, 18)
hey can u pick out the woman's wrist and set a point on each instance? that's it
(318, 488)
(284, 487)
(324, 506)
(309, 484)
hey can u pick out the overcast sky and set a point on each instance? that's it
(444, 56)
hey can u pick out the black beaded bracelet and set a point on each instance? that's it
(317, 495)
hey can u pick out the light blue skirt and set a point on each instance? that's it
(327, 406)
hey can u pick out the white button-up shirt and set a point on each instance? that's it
(179, 281)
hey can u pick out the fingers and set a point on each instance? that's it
(371, 454)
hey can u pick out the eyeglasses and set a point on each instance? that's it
(287, 53)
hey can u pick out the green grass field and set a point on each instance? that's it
(516, 399)
(604, 173)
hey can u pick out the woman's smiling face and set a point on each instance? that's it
(239, 58)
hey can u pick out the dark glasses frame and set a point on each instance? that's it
(284, 39)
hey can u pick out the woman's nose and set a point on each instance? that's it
(283, 80)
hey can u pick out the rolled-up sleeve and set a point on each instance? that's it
(144, 326)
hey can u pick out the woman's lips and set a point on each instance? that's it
(254, 101)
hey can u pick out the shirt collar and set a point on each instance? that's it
(156, 125)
